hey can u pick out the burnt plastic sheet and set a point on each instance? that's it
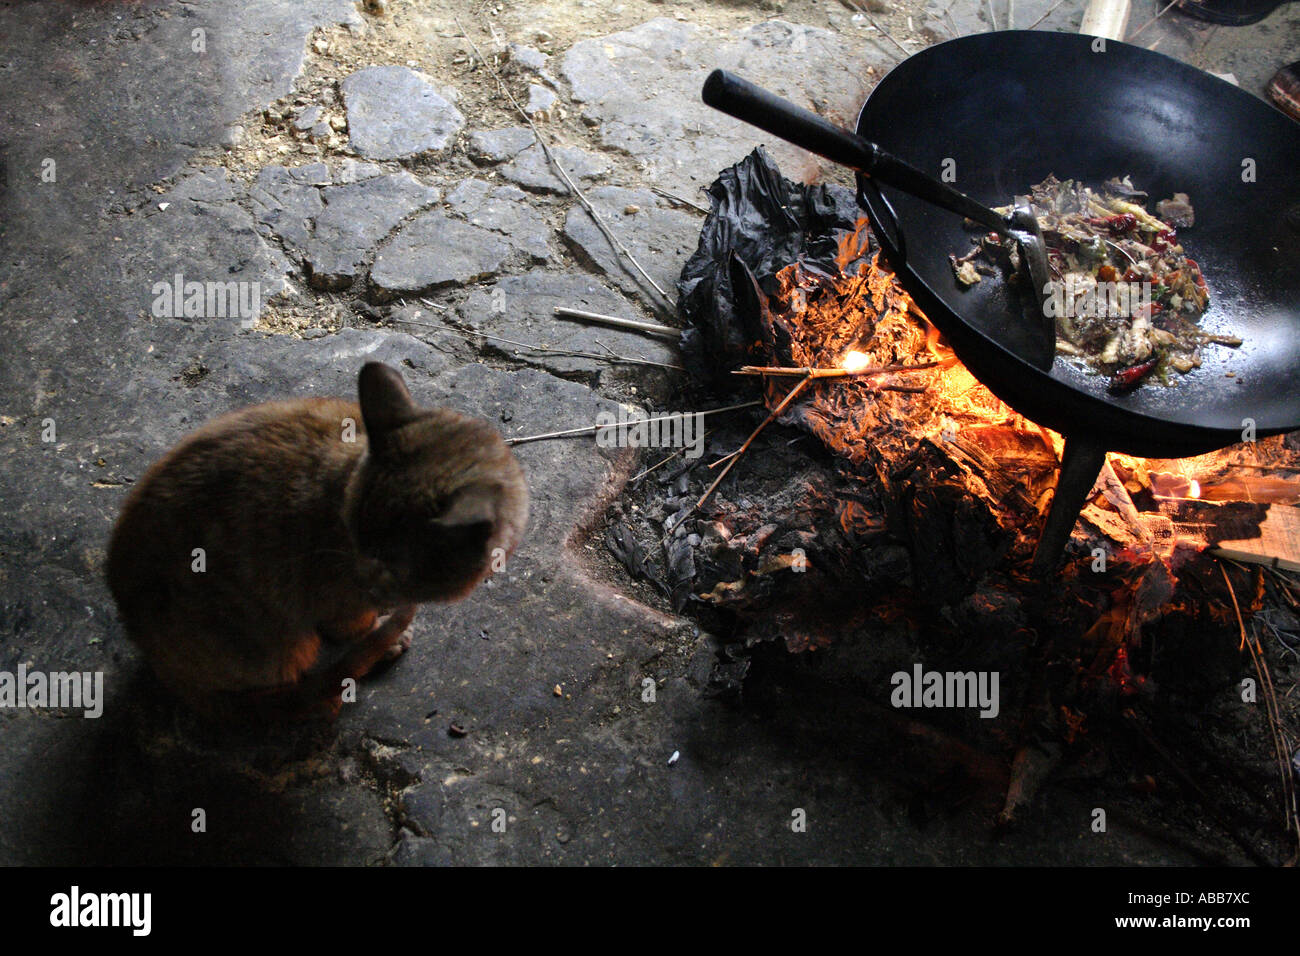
(759, 223)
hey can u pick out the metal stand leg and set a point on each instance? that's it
(1080, 466)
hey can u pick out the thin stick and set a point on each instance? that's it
(591, 429)
(652, 328)
(911, 389)
(1134, 35)
(778, 370)
(678, 199)
(578, 194)
(567, 353)
(722, 459)
(1050, 11)
(1243, 464)
(993, 21)
(885, 33)
(636, 478)
(1198, 60)
(771, 417)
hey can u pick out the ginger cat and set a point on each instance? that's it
(307, 540)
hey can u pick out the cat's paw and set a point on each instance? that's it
(398, 647)
(400, 619)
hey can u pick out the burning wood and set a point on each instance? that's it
(913, 525)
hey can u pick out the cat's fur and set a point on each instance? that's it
(308, 540)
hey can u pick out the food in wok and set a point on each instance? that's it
(1126, 298)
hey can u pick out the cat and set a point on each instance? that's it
(254, 561)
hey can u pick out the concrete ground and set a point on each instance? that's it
(256, 143)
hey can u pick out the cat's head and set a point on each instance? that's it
(438, 501)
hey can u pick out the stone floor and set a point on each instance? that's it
(358, 164)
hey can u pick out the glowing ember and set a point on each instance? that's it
(855, 360)
(1194, 489)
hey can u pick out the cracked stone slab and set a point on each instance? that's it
(531, 169)
(522, 308)
(395, 112)
(472, 236)
(528, 166)
(435, 250)
(498, 145)
(642, 88)
(332, 228)
(540, 100)
(286, 201)
(661, 238)
(354, 218)
(506, 210)
(202, 235)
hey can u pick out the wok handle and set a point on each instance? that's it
(754, 105)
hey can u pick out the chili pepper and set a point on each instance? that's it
(1163, 240)
(1118, 225)
(1127, 379)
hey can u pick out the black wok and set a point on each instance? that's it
(1008, 109)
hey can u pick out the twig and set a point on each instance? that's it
(778, 370)
(652, 328)
(910, 389)
(678, 199)
(1280, 748)
(1243, 464)
(591, 429)
(722, 459)
(568, 353)
(993, 21)
(578, 194)
(1199, 59)
(1050, 11)
(1134, 35)
(636, 478)
(885, 33)
(770, 418)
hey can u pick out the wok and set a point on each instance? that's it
(1004, 110)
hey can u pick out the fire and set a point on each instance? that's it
(855, 360)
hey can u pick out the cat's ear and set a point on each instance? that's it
(385, 402)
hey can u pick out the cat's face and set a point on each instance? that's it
(437, 504)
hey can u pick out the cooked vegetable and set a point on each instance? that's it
(1125, 296)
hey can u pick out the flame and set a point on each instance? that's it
(855, 360)
(1193, 488)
